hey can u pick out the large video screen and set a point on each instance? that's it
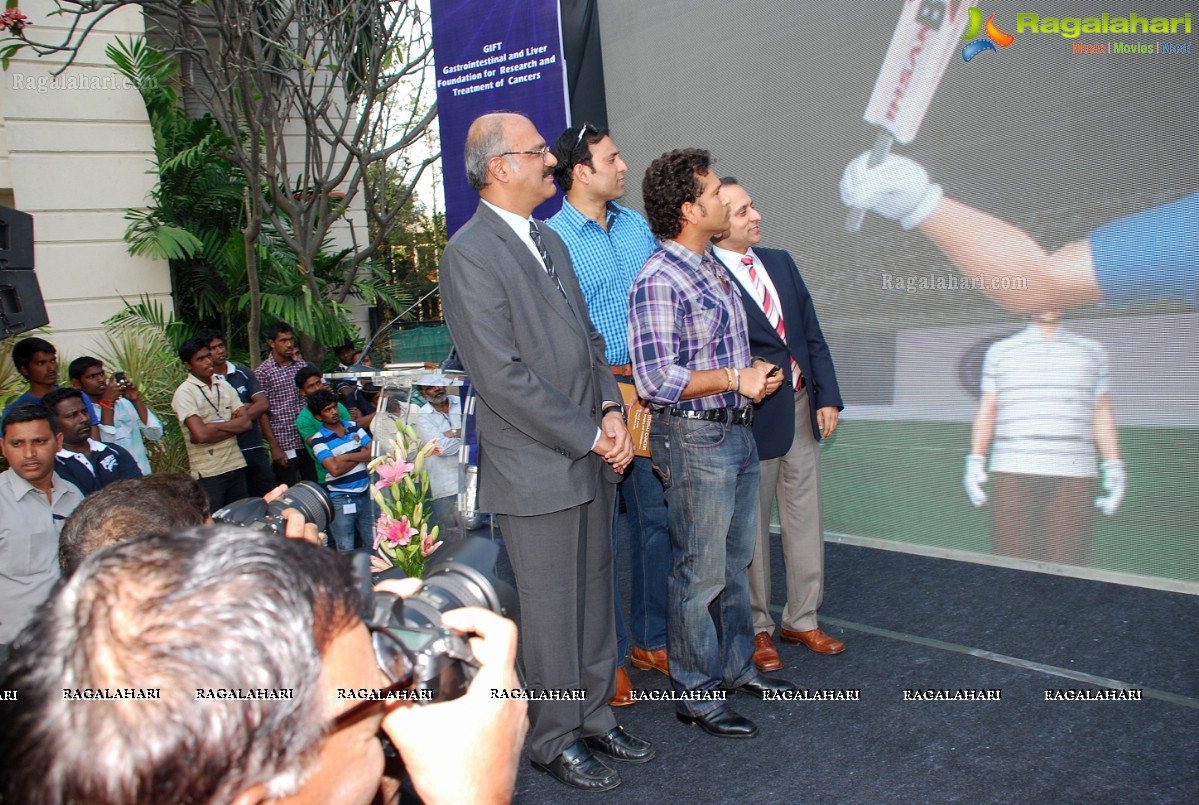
(1020, 367)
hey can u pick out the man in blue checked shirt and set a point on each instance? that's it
(608, 245)
(691, 360)
(343, 449)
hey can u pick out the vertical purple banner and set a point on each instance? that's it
(494, 57)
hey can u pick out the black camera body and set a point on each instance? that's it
(310, 499)
(461, 574)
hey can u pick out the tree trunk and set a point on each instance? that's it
(250, 234)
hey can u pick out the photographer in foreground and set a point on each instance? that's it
(147, 634)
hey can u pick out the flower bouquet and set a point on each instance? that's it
(402, 535)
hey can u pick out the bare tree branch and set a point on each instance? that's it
(314, 95)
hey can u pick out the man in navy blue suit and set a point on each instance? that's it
(787, 427)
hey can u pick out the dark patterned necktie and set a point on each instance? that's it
(535, 234)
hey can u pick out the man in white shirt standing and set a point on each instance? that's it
(211, 415)
(1044, 413)
(124, 418)
(440, 418)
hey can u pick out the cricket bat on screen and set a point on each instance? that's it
(925, 39)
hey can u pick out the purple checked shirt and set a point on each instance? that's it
(684, 315)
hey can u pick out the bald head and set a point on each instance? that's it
(507, 162)
(485, 139)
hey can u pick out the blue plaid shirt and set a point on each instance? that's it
(606, 263)
(684, 318)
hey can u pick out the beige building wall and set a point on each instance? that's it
(74, 152)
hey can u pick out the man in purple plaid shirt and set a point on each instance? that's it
(690, 352)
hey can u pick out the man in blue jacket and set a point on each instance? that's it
(787, 427)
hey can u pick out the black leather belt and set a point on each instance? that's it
(737, 416)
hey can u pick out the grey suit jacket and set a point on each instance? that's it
(537, 364)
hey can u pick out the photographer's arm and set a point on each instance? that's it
(490, 731)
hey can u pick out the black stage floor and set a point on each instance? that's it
(922, 624)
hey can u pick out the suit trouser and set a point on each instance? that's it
(649, 559)
(563, 567)
(794, 479)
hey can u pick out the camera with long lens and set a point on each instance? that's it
(411, 642)
(309, 499)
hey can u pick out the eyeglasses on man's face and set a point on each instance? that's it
(396, 661)
(540, 152)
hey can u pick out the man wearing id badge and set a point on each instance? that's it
(343, 448)
(211, 415)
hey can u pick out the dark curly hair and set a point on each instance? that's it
(668, 184)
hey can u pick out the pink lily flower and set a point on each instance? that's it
(396, 532)
(427, 546)
(392, 473)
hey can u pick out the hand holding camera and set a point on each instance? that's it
(300, 512)
(498, 724)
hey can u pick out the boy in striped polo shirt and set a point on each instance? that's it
(343, 449)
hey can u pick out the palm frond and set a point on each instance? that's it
(149, 237)
(148, 318)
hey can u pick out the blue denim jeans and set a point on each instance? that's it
(710, 471)
(361, 520)
(649, 559)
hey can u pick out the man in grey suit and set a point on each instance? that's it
(552, 444)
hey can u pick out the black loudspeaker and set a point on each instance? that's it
(16, 240)
(21, 305)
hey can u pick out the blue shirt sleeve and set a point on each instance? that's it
(91, 410)
(1150, 256)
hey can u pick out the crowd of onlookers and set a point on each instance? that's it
(245, 432)
(115, 586)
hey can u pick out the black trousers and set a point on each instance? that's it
(260, 479)
(225, 488)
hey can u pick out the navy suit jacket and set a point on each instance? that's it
(774, 417)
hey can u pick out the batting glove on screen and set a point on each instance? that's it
(975, 477)
(1114, 482)
(896, 188)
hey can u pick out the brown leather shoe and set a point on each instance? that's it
(650, 660)
(814, 639)
(624, 690)
(766, 656)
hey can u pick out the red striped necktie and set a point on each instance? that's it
(773, 315)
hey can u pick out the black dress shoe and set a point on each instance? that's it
(722, 722)
(580, 769)
(619, 745)
(761, 686)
